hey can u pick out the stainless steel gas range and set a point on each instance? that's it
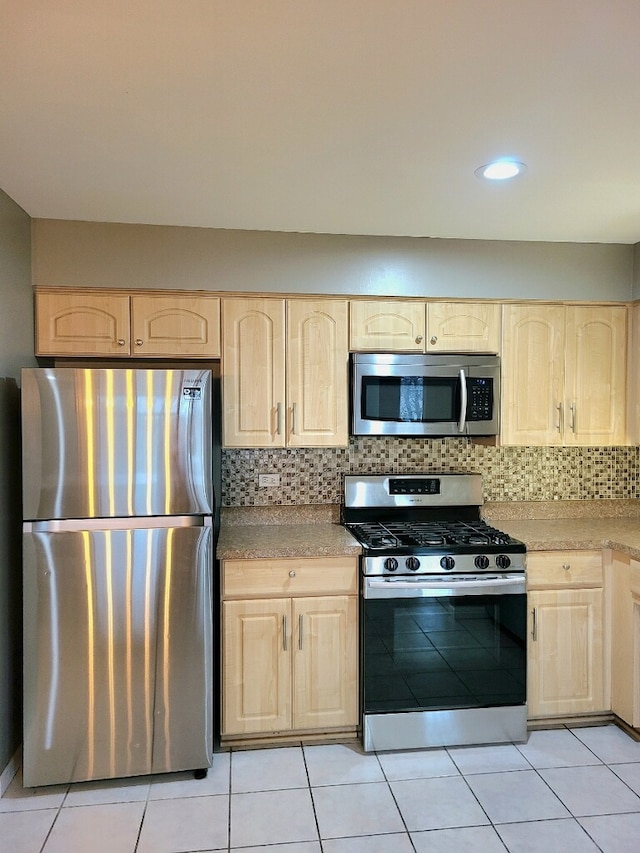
(443, 614)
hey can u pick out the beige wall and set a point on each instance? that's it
(86, 254)
(16, 351)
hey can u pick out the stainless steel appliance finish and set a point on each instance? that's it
(116, 443)
(443, 605)
(424, 394)
(118, 549)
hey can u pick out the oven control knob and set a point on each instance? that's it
(391, 564)
(412, 563)
(447, 562)
(481, 562)
(502, 561)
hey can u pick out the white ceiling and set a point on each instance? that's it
(337, 116)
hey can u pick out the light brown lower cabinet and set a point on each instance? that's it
(624, 584)
(566, 666)
(290, 661)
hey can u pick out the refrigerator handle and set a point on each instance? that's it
(134, 523)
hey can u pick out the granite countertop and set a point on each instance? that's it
(266, 532)
(315, 531)
(570, 525)
(560, 534)
(262, 541)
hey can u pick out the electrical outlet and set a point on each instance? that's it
(268, 479)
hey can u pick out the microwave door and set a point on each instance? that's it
(426, 395)
(410, 402)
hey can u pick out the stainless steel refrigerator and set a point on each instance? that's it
(118, 548)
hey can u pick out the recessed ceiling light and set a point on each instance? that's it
(501, 170)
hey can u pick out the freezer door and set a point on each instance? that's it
(117, 653)
(109, 443)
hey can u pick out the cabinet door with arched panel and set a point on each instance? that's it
(463, 327)
(386, 325)
(179, 324)
(82, 323)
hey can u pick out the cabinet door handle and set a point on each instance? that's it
(300, 625)
(433, 341)
(573, 417)
(293, 419)
(121, 342)
(560, 409)
(284, 633)
(138, 342)
(534, 630)
(279, 419)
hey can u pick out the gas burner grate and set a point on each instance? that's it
(427, 534)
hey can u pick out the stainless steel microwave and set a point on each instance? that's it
(425, 395)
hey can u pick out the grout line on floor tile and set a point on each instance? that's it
(538, 771)
(313, 799)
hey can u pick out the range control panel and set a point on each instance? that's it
(414, 486)
(441, 489)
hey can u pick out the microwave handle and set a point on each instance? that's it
(463, 401)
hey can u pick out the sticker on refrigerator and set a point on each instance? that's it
(193, 392)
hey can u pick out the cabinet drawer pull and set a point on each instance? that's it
(292, 574)
(300, 622)
(534, 630)
(284, 633)
(566, 566)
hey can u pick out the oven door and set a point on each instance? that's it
(443, 660)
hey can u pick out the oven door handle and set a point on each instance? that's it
(399, 588)
(463, 401)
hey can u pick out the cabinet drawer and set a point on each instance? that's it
(548, 569)
(289, 577)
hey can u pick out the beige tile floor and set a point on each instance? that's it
(564, 790)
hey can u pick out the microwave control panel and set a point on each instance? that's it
(480, 399)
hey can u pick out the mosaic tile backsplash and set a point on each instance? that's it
(314, 476)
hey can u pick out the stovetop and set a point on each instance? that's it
(422, 537)
(426, 523)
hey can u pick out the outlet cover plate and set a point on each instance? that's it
(268, 479)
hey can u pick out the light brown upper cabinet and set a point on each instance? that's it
(385, 325)
(463, 327)
(633, 425)
(105, 323)
(284, 372)
(564, 374)
(181, 325)
(82, 323)
(389, 325)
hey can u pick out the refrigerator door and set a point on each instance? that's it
(118, 655)
(116, 442)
